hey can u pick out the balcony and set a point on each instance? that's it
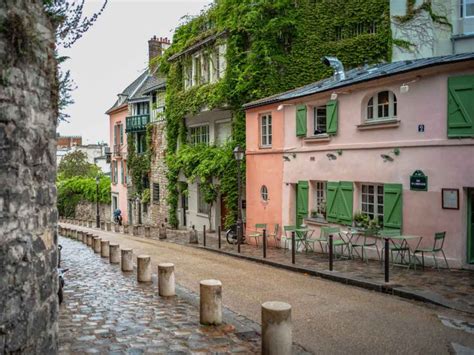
(117, 150)
(136, 123)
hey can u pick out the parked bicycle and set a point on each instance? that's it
(231, 235)
(61, 273)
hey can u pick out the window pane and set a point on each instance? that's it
(383, 97)
(380, 190)
(380, 209)
(371, 189)
(380, 200)
(364, 188)
(371, 208)
(371, 198)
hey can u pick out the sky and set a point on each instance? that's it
(112, 54)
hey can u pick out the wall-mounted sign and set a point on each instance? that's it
(421, 128)
(419, 181)
(450, 199)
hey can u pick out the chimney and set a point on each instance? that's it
(156, 47)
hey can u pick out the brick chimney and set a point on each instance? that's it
(156, 47)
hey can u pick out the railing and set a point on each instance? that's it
(136, 123)
(117, 150)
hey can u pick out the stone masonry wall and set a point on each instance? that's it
(159, 211)
(87, 210)
(28, 215)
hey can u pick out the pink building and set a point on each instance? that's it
(394, 141)
(118, 145)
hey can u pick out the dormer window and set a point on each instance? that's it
(382, 106)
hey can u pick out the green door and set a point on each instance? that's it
(301, 202)
(470, 227)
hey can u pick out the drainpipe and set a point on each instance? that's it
(336, 64)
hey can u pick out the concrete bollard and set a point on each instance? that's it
(210, 302)
(127, 260)
(114, 253)
(89, 239)
(102, 225)
(109, 226)
(135, 230)
(104, 248)
(276, 328)
(166, 280)
(162, 232)
(84, 237)
(79, 236)
(143, 268)
(97, 245)
(116, 228)
(147, 232)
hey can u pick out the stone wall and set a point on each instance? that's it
(28, 215)
(158, 210)
(88, 210)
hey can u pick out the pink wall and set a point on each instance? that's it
(448, 163)
(115, 117)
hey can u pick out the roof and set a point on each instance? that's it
(359, 75)
(197, 45)
(137, 90)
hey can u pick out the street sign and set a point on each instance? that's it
(419, 181)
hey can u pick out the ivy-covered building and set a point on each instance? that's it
(131, 120)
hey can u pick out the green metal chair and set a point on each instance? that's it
(257, 234)
(287, 235)
(437, 247)
(275, 235)
(368, 240)
(324, 237)
(400, 249)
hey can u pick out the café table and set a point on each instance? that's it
(303, 235)
(401, 244)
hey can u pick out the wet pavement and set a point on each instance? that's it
(108, 311)
(450, 288)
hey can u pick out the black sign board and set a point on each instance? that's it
(419, 181)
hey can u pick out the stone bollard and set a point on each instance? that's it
(276, 328)
(114, 253)
(210, 302)
(143, 268)
(125, 229)
(135, 230)
(76, 235)
(84, 237)
(116, 228)
(102, 225)
(109, 226)
(89, 224)
(89, 239)
(104, 248)
(147, 232)
(166, 280)
(79, 235)
(127, 260)
(162, 232)
(193, 236)
(97, 241)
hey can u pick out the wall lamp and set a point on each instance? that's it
(404, 88)
(331, 156)
(281, 106)
(386, 157)
(285, 158)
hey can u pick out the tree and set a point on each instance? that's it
(76, 164)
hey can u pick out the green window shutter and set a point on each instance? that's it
(461, 106)
(301, 125)
(331, 117)
(392, 206)
(345, 202)
(121, 134)
(301, 202)
(331, 201)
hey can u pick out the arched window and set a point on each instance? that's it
(264, 193)
(382, 106)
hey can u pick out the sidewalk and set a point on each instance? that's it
(323, 313)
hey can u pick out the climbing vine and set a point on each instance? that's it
(272, 46)
(138, 164)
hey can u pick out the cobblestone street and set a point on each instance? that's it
(108, 311)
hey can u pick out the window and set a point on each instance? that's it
(114, 171)
(122, 172)
(187, 74)
(156, 193)
(203, 207)
(320, 197)
(382, 106)
(199, 135)
(372, 201)
(197, 70)
(319, 120)
(467, 8)
(223, 132)
(125, 173)
(114, 203)
(264, 193)
(141, 142)
(266, 130)
(141, 108)
(121, 133)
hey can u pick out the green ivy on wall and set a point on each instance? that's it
(272, 46)
(138, 165)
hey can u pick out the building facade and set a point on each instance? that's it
(394, 142)
(97, 154)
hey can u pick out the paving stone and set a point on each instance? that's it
(107, 311)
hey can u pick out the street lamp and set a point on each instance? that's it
(97, 217)
(239, 156)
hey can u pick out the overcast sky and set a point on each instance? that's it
(112, 54)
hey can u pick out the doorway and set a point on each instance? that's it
(470, 226)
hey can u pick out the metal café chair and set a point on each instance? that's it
(324, 237)
(365, 238)
(256, 233)
(285, 237)
(275, 235)
(437, 248)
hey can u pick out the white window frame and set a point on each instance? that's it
(216, 130)
(315, 120)
(266, 132)
(197, 137)
(373, 103)
(264, 193)
(202, 206)
(463, 4)
(319, 195)
(364, 205)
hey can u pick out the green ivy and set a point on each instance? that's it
(139, 164)
(272, 46)
(413, 11)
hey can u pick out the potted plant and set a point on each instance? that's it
(361, 220)
(322, 209)
(314, 214)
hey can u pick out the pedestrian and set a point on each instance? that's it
(118, 216)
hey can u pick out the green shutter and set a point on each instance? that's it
(301, 202)
(301, 124)
(461, 106)
(392, 206)
(331, 117)
(345, 202)
(331, 198)
(121, 134)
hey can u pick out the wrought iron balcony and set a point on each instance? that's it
(136, 123)
(117, 150)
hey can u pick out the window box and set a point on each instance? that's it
(376, 124)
